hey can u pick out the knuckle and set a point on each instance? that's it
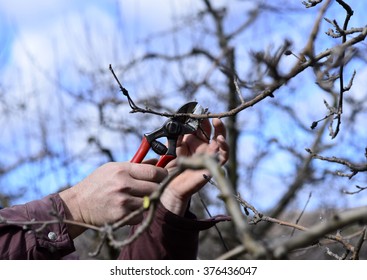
(124, 201)
(125, 187)
(153, 173)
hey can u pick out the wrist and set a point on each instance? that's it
(174, 203)
(72, 212)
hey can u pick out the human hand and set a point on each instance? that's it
(177, 195)
(110, 193)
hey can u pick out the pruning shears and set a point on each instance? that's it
(171, 129)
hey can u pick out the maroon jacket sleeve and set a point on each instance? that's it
(168, 237)
(50, 242)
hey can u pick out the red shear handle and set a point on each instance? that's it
(164, 160)
(141, 152)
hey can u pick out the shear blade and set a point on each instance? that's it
(190, 108)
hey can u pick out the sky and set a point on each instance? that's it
(32, 32)
(35, 21)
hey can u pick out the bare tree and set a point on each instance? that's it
(294, 119)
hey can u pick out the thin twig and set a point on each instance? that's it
(360, 189)
(215, 226)
(303, 211)
(359, 244)
(341, 68)
(354, 168)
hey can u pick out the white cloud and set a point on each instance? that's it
(37, 55)
(31, 8)
(33, 14)
(153, 16)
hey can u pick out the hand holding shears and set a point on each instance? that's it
(172, 129)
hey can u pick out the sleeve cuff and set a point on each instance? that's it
(189, 221)
(52, 236)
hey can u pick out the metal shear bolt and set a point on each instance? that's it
(173, 128)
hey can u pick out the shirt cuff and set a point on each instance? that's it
(189, 221)
(52, 236)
